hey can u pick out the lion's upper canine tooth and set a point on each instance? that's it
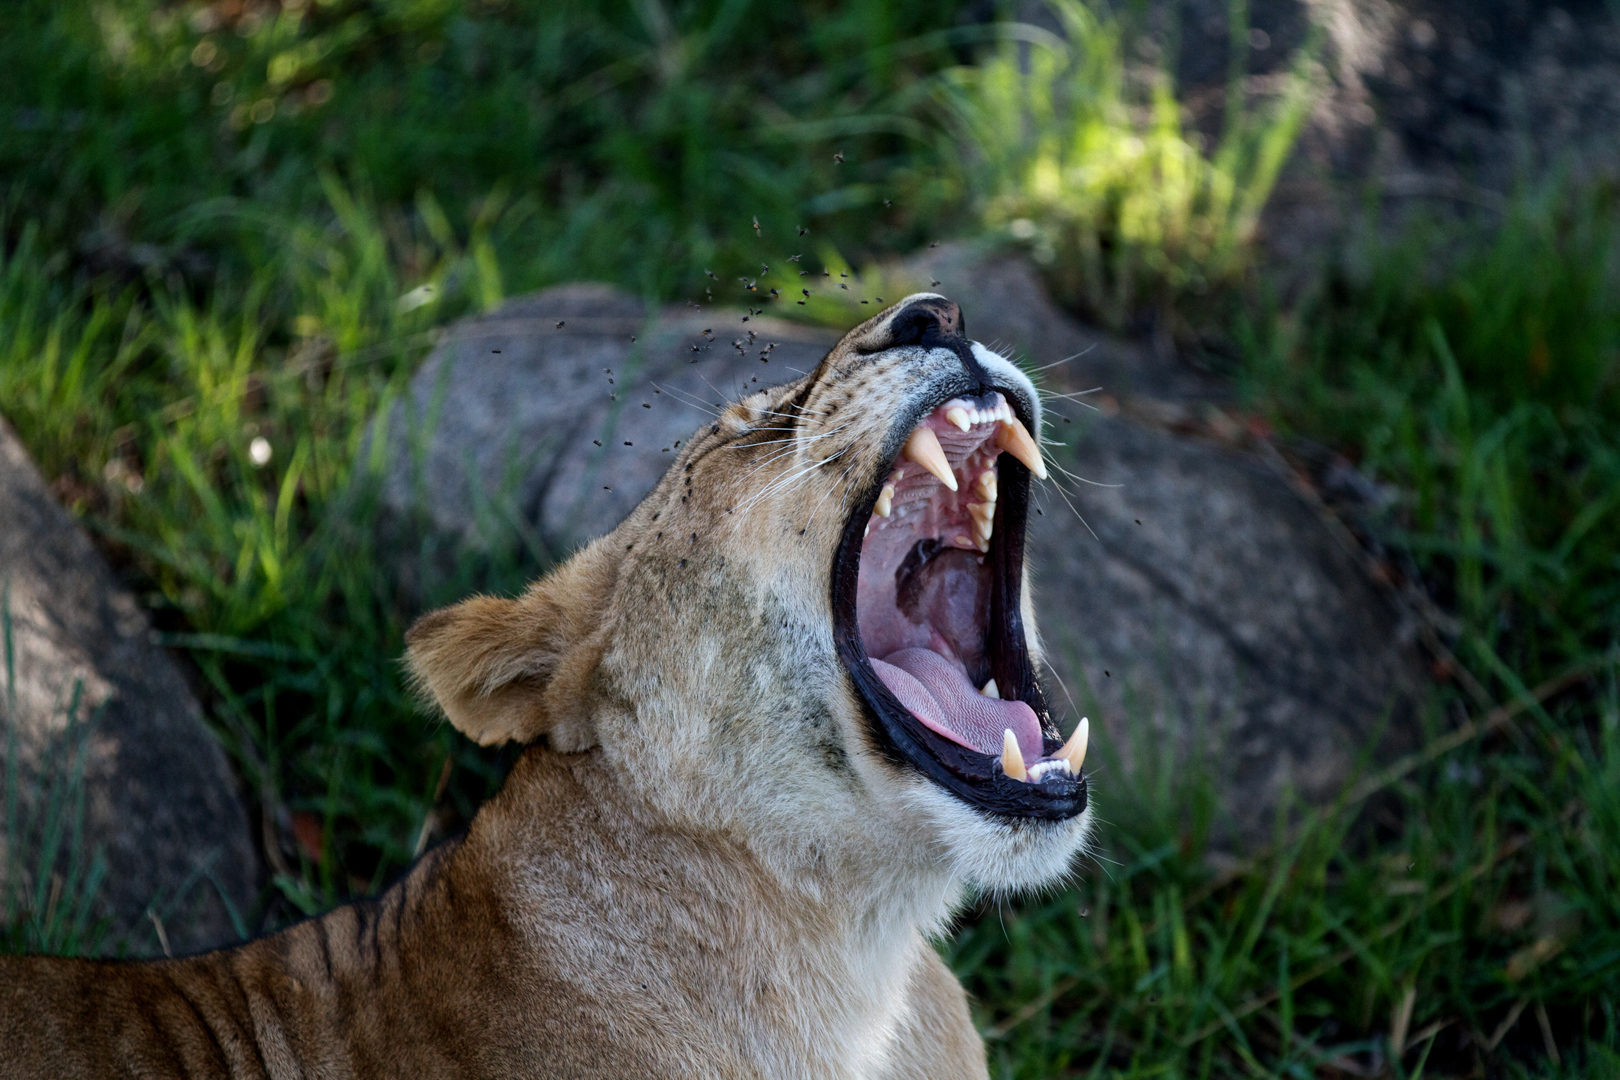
(1074, 751)
(989, 689)
(923, 448)
(885, 501)
(1012, 758)
(1013, 437)
(958, 416)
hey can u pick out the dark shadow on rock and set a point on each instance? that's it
(161, 805)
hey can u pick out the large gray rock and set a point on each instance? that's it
(1203, 612)
(1202, 606)
(563, 429)
(86, 689)
(1198, 599)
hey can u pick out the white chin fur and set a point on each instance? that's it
(997, 856)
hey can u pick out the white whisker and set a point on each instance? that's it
(690, 400)
(1065, 496)
(1066, 359)
(1061, 684)
(830, 490)
(1082, 480)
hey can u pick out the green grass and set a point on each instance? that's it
(631, 143)
(180, 275)
(1086, 162)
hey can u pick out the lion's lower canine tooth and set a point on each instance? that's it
(1012, 758)
(958, 416)
(885, 501)
(923, 448)
(1013, 437)
(991, 690)
(1074, 751)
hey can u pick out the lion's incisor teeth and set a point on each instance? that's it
(1012, 758)
(1013, 437)
(1074, 751)
(989, 689)
(959, 416)
(885, 501)
(923, 448)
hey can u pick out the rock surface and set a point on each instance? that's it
(556, 409)
(160, 804)
(1208, 607)
(1232, 618)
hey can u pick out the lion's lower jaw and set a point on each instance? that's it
(1000, 856)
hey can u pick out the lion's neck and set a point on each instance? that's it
(627, 907)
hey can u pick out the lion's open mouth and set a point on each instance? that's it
(926, 591)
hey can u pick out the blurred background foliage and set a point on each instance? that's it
(236, 222)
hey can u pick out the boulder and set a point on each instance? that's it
(1199, 600)
(1197, 603)
(559, 411)
(100, 733)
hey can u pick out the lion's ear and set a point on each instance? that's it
(487, 663)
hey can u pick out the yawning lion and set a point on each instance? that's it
(779, 723)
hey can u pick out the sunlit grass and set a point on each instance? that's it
(1086, 161)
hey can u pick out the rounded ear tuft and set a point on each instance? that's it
(486, 663)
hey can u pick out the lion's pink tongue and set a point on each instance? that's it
(939, 694)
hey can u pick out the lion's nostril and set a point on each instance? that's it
(921, 319)
(932, 322)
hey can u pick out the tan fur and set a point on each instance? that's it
(699, 867)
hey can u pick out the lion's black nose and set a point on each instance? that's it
(934, 322)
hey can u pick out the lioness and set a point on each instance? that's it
(779, 721)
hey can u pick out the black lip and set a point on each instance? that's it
(973, 777)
